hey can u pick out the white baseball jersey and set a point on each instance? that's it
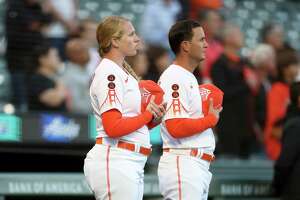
(184, 101)
(113, 88)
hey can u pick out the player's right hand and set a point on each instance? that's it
(213, 110)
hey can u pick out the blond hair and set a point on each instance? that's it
(261, 54)
(112, 28)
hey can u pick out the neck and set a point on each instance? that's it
(262, 74)
(186, 62)
(83, 63)
(115, 57)
(231, 50)
(45, 71)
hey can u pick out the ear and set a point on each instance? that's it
(115, 42)
(185, 46)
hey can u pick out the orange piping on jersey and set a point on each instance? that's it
(117, 126)
(179, 178)
(176, 105)
(111, 96)
(185, 127)
(107, 173)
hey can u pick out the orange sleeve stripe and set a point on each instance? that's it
(185, 127)
(117, 126)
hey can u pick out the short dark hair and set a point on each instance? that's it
(295, 93)
(285, 59)
(181, 31)
(267, 29)
(203, 14)
(38, 52)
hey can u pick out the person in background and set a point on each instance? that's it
(279, 95)
(87, 32)
(196, 5)
(139, 63)
(159, 60)
(24, 23)
(158, 17)
(211, 22)
(235, 129)
(64, 24)
(76, 76)
(273, 34)
(45, 92)
(287, 167)
(263, 61)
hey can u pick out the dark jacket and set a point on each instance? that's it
(287, 168)
(235, 125)
(23, 24)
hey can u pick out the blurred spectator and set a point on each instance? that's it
(157, 19)
(64, 24)
(287, 167)
(24, 21)
(5, 85)
(198, 74)
(263, 60)
(76, 76)
(139, 63)
(87, 31)
(196, 5)
(45, 93)
(277, 101)
(211, 22)
(273, 34)
(235, 128)
(185, 10)
(159, 60)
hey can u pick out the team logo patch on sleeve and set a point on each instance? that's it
(176, 106)
(175, 94)
(111, 94)
(175, 87)
(111, 85)
(111, 77)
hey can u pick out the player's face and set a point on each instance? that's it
(129, 42)
(198, 45)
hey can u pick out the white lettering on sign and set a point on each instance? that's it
(22, 187)
(63, 187)
(45, 187)
(245, 189)
(231, 189)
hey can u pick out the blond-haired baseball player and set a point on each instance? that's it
(114, 167)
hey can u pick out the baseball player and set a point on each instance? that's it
(188, 140)
(114, 166)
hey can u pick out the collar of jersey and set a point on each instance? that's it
(183, 70)
(117, 67)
